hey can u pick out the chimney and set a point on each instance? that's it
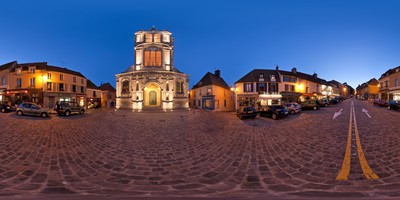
(315, 75)
(294, 70)
(277, 67)
(218, 73)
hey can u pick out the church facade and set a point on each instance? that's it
(152, 81)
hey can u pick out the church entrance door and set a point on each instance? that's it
(152, 98)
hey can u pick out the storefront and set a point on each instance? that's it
(3, 95)
(208, 102)
(93, 103)
(395, 95)
(50, 98)
(18, 96)
(290, 96)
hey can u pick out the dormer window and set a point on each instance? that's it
(32, 69)
(273, 78)
(18, 70)
(261, 77)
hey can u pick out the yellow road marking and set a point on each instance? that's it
(368, 173)
(345, 171)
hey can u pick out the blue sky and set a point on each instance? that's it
(346, 40)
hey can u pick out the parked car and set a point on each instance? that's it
(68, 107)
(310, 104)
(393, 104)
(274, 112)
(5, 108)
(247, 112)
(28, 108)
(293, 108)
(323, 102)
(334, 101)
(380, 102)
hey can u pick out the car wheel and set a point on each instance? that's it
(81, 112)
(44, 115)
(3, 110)
(67, 113)
(20, 113)
(292, 112)
(274, 116)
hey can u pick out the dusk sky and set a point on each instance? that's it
(349, 41)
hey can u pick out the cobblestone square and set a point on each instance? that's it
(199, 154)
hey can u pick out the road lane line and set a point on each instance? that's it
(368, 173)
(345, 170)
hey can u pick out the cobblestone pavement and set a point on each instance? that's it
(199, 154)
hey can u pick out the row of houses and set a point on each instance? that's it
(387, 87)
(263, 87)
(46, 84)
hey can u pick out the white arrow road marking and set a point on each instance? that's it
(337, 114)
(366, 112)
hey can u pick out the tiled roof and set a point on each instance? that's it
(254, 76)
(44, 66)
(91, 85)
(211, 79)
(8, 65)
(107, 86)
(308, 77)
(64, 70)
(389, 72)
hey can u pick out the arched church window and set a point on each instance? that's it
(179, 86)
(125, 86)
(152, 57)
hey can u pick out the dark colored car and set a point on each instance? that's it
(393, 104)
(274, 112)
(323, 102)
(334, 101)
(67, 108)
(5, 108)
(310, 104)
(380, 102)
(247, 111)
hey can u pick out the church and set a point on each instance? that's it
(152, 82)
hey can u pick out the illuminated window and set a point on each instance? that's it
(125, 87)
(49, 76)
(61, 86)
(49, 86)
(149, 38)
(152, 57)
(19, 82)
(32, 81)
(32, 69)
(157, 38)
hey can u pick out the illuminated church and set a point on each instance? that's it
(153, 81)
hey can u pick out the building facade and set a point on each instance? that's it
(270, 87)
(42, 83)
(212, 93)
(152, 81)
(108, 95)
(389, 85)
(368, 90)
(93, 95)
